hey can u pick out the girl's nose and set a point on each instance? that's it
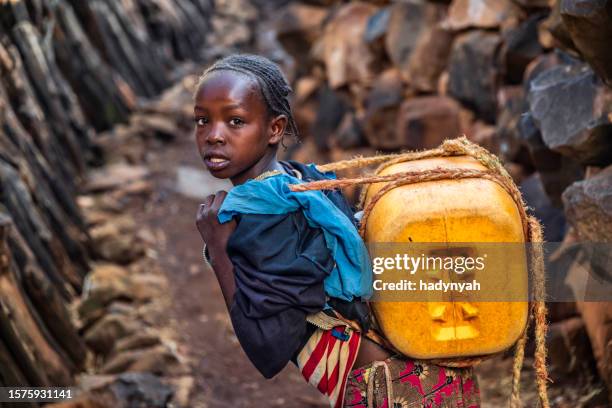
(216, 135)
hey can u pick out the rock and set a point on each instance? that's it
(113, 176)
(352, 193)
(553, 31)
(381, 105)
(486, 136)
(521, 46)
(297, 27)
(106, 282)
(346, 55)
(429, 58)
(350, 133)
(528, 4)
(511, 103)
(569, 349)
(184, 387)
(83, 402)
(558, 311)
(473, 73)
(423, 123)
(103, 335)
(156, 360)
(464, 14)
(147, 286)
(415, 42)
(162, 127)
(597, 317)
(387, 90)
(330, 111)
(516, 171)
(376, 29)
(588, 207)
(175, 101)
(116, 241)
(584, 134)
(241, 10)
(552, 218)
(137, 341)
(128, 390)
(305, 103)
(228, 34)
(589, 23)
(556, 171)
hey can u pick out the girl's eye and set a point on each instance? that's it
(201, 121)
(236, 122)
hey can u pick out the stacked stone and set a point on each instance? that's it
(68, 70)
(527, 79)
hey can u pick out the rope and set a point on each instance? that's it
(495, 172)
(388, 383)
(517, 365)
(539, 309)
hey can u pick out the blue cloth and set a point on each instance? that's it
(351, 277)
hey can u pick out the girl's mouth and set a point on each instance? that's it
(216, 163)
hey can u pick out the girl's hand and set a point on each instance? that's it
(214, 234)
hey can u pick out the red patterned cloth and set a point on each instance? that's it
(411, 384)
(327, 359)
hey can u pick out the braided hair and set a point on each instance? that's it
(272, 83)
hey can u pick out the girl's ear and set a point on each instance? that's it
(277, 129)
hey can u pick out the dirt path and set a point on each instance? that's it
(224, 376)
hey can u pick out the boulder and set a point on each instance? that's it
(381, 105)
(416, 43)
(128, 390)
(464, 14)
(572, 108)
(588, 206)
(346, 55)
(556, 171)
(511, 103)
(297, 27)
(116, 241)
(552, 218)
(425, 122)
(350, 133)
(529, 4)
(554, 33)
(597, 318)
(569, 350)
(589, 23)
(486, 136)
(521, 46)
(114, 176)
(156, 360)
(102, 336)
(473, 72)
(330, 111)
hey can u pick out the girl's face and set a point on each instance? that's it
(234, 133)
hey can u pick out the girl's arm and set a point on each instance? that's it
(224, 270)
(216, 236)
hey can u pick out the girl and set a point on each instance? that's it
(292, 267)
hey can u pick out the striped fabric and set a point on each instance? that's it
(327, 359)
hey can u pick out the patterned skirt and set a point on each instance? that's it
(411, 384)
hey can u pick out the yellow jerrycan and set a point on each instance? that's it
(458, 210)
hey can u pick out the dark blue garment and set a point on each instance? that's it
(280, 264)
(351, 277)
